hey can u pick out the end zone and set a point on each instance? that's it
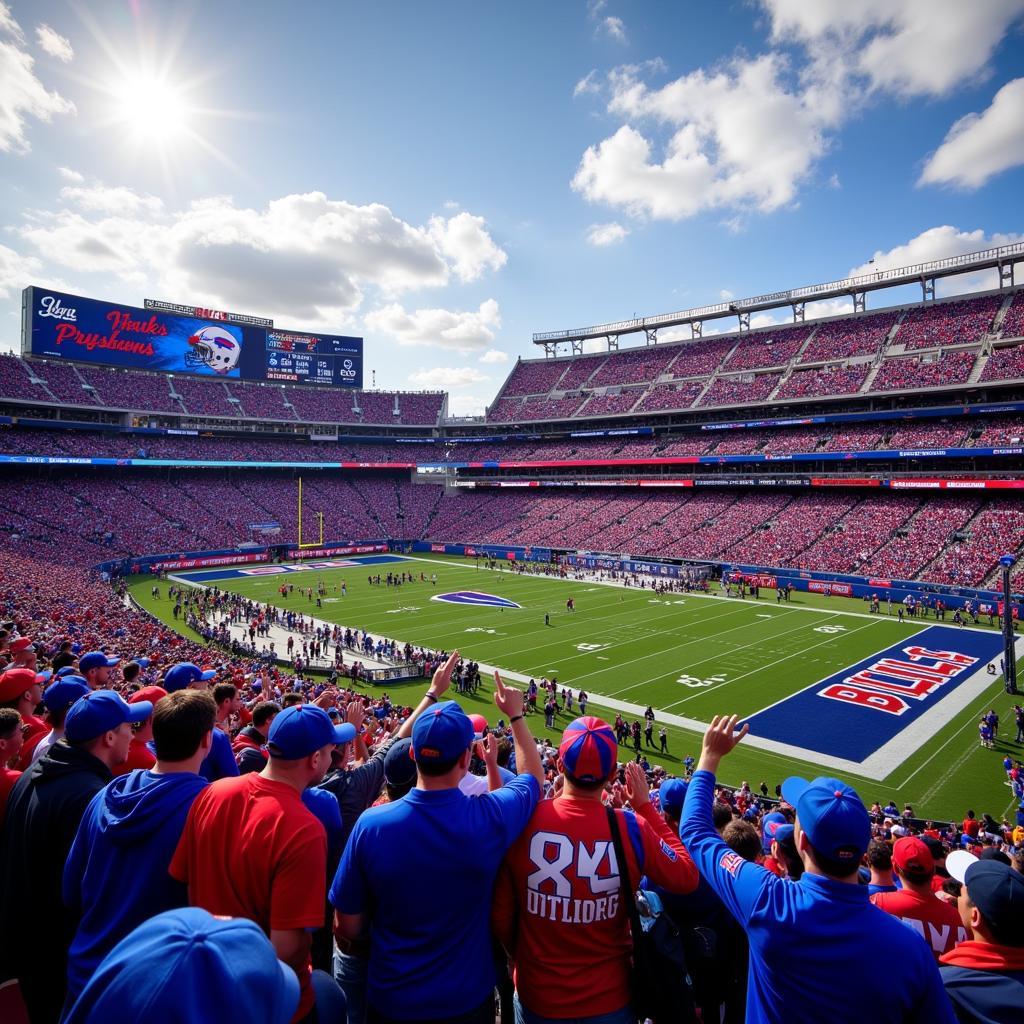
(870, 717)
(255, 571)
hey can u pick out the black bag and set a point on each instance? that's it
(660, 983)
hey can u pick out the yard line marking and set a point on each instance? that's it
(771, 664)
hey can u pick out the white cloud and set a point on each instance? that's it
(595, 7)
(739, 138)
(464, 240)
(725, 295)
(22, 95)
(106, 199)
(54, 44)
(8, 26)
(459, 331)
(16, 271)
(443, 377)
(466, 405)
(587, 84)
(939, 243)
(911, 48)
(494, 355)
(450, 204)
(305, 258)
(606, 234)
(980, 146)
(747, 134)
(71, 175)
(615, 29)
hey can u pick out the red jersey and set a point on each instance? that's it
(557, 902)
(138, 757)
(8, 777)
(251, 849)
(972, 826)
(936, 922)
(34, 730)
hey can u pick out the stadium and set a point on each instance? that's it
(802, 508)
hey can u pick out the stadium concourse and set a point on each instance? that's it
(163, 769)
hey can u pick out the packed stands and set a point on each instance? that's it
(909, 373)
(920, 540)
(1012, 325)
(937, 325)
(700, 358)
(1005, 363)
(671, 396)
(851, 336)
(740, 390)
(606, 405)
(634, 366)
(997, 529)
(768, 348)
(830, 380)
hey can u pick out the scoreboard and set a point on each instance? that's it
(173, 338)
(325, 359)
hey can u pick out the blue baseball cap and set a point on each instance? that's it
(399, 767)
(184, 674)
(95, 659)
(98, 711)
(67, 670)
(302, 729)
(441, 733)
(187, 965)
(59, 696)
(672, 794)
(832, 815)
(784, 833)
(770, 825)
(141, 662)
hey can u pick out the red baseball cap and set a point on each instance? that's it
(16, 681)
(479, 726)
(23, 643)
(148, 693)
(912, 854)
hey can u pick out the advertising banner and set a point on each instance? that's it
(87, 330)
(204, 561)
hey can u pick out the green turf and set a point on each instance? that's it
(685, 654)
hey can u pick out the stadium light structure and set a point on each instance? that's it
(1007, 562)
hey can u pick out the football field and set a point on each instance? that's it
(891, 707)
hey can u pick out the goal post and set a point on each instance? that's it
(320, 518)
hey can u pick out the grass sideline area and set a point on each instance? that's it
(692, 656)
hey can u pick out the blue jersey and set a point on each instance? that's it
(423, 869)
(817, 946)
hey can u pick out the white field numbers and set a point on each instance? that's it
(696, 682)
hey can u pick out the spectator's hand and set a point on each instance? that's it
(507, 699)
(443, 675)
(489, 749)
(721, 737)
(327, 699)
(638, 793)
(356, 714)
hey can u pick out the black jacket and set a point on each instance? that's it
(43, 813)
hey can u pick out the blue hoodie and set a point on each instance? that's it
(116, 874)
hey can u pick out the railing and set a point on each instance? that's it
(882, 278)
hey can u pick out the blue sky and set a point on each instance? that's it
(447, 178)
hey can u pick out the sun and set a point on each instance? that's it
(151, 105)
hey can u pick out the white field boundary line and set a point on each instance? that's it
(716, 597)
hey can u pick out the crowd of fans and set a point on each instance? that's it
(768, 348)
(948, 323)
(1005, 363)
(180, 393)
(907, 373)
(188, 834)
(742, 389)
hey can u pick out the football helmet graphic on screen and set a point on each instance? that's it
(213, 348)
